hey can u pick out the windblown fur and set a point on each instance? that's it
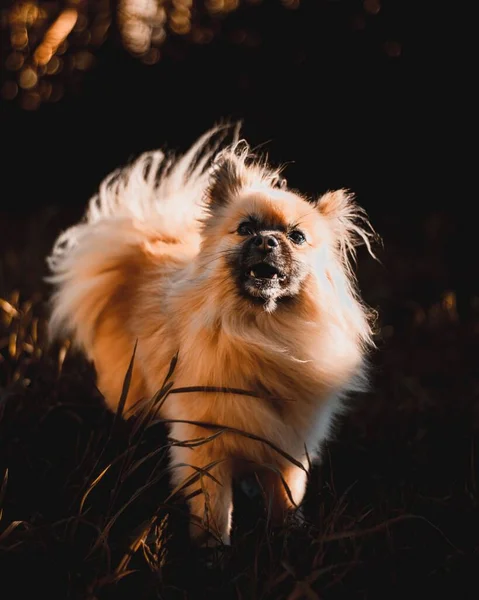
(165, 257)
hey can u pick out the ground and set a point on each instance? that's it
(392, 512)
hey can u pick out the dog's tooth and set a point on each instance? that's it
(252, 273)
(275, 276)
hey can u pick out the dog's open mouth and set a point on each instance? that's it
(265, 272)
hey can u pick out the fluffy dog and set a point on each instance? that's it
(212, 258)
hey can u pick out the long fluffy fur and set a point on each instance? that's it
(147, 265)
(157, 196)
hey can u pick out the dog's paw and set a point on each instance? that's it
(296, 519)
(212, 557)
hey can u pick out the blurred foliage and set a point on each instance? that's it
(48, 44)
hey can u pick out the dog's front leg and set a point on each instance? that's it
(204, 474)
(283, 493)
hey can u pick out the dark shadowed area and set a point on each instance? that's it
(371, 96)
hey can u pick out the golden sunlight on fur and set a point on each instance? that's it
(211, 256)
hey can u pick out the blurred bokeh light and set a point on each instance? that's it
(49, 43)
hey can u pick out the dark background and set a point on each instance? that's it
(353, 98)
(373, 99)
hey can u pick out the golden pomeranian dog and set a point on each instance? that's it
(212, 258)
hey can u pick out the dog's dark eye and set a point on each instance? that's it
(245, 229)
(297, 237)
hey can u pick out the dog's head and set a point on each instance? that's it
(271, 241)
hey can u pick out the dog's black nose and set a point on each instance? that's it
(265, 242)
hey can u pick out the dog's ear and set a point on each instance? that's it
(336, 207)
(226, 180)
(335, 204)
(349, 222)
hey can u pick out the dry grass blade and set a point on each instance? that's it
(308, 459)
(194, 477)
(193, 495)
(152, 409)
(200, 472)
(118, 416)
(3, 491)
(341, 535)
(236, 431)
(197, 441)
(141, 461)
(135, 545)
(159, 398)
(126, 387)
(283, 481)
(8, 530)
(91, 486)
(173, 363)
(62, 354)
(8, 309)
(339, 508)
(106, 530)
(155, 553)
(135, 440)
(113, 578)
(159, 395)
(303, 591)
(226, 390)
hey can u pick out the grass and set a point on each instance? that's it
(87, 511)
